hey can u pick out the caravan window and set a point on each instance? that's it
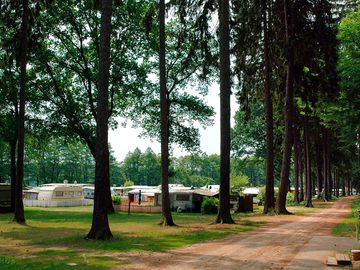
(182, 197)
(59, 194)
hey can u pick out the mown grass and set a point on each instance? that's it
(54, 237)
(347, 227)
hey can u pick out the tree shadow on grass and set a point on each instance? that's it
(73, 238)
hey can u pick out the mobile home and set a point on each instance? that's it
(56, 195)
(5, 197)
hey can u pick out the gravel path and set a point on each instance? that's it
(292, 242)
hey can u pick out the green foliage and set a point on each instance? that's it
(209, 205)
(248, 135)
(128, 183)
(290, 199)
(142, 168)
(189, 60)
(116, 199)
(261, 195)
(196, 170)
(57, 159)
(237, 182)
(252, 167)
(200, 181)
(64, 69)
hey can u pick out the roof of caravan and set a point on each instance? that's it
(136, 187)
(145, 191)
(50, 187)
(198, 191)
(251, 190)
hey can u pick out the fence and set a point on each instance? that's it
(138, 208)
(51, 203)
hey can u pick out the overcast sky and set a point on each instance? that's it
(124, 140)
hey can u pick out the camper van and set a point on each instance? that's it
(56, 195)
(5, 197)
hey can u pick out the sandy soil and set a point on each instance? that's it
(287, 242)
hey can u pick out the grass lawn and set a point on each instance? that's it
(348, 226)
(53, 238)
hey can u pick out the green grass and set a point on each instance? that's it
(348, 225)
(53, 237)
(58, 262)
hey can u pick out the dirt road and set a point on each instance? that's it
(292, 242)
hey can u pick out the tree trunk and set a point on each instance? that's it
(336, 180)
(326, 166)
(166, 218)
(348, 183)
(301, 170)
(289, 99)
(343, 178)
(100, 224)
(13, 172)
(92, 146)
(19, 216)
(296, 164)
(269, 170)
(307, 137)
(331, 187)
(224, 215)
(318, 165)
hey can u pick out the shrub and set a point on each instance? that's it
(116, 199)
(209, 205)
(261, 196)
(290, 199)
(128, 183)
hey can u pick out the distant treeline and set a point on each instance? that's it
(58, 159)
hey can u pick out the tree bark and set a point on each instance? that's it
(318, 165)
(166, 218)
(336, 180)
(331, 186)
(19, 215)
(224, 215)
(280, 207)
(269, 170)
(348, 183)
(91, 143)
(326, 166)
(308, 163)
(100, 224)
(301, 170)
(296, 164)
(13, 172)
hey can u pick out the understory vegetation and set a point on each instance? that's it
(349, 227)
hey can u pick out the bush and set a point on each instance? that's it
(290, 199)
(261, 196)
(116, 199)
(209, 205)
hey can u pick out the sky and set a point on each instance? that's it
(125, 139)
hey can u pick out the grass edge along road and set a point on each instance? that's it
(53, 237)
(347, 227)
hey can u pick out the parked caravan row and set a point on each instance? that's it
(55, 194)
(5, 198)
